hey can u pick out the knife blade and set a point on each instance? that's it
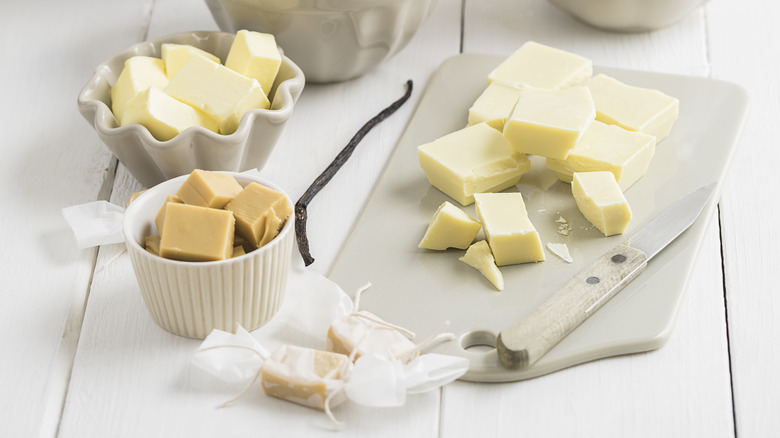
(521, 345)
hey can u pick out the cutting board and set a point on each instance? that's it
(422, 289)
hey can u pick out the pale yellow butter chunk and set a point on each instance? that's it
(494, 105)
(542, 66)
(627, 154)
(549, 122)
(475, 159)
(450, 227)
(363, 332)
(218, 91)
(164, 116)
(208, 189)
(306, 376)
(255, 55)
(510, 233)
(601, 201)
(138, 74)
(176, 55)
(633, 108)
(260, 213)
(479, 257)
(196, 234)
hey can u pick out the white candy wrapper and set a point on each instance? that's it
(95, 223)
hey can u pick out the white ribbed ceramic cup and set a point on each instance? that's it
(192, 298)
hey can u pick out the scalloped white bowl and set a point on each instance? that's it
(152, 161)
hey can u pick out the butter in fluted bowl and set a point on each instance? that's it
(152, 161)
(191, 298)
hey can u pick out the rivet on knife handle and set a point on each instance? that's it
(521, 345)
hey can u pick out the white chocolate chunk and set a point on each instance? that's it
(138, 74)
(217, 91)
(305, 376)
(164, 116)
(561, 250)
(450, 227)
(633, 108)
(601, 201)
(255, 55)
(626, 154)
(542, 66)
(475, 159)
(494, 105)
(510, 233)
(176, 55)
(363, 332)
(479, 257)
(549, 122)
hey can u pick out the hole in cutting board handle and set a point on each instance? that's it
(478, 341)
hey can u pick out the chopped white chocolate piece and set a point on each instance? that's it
(561, 250)
(494, 105)
(479, 257)
(450, 227)
(306, 376)
(475, 159)
(363, 332)
(549, 122)
(626, 154)
(601, 201)
(633, 108)
(511, 235)
(542, 66)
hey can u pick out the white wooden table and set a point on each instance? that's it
(81, 357)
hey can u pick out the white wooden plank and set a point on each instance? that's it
(678, 390)
(743, 41)
(131, 378)
(51, 159)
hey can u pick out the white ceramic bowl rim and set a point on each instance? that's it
(131, 216)
(105, 122)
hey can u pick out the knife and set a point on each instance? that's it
(521, 345)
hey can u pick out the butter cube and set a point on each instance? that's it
(549, 122)
(255, 55)
(363, 332)
(305, 376)
(479, 257)
(472, 160)
(542, 66)
(193, 233)
(209, 189)
(259, 212)
(164, 116)
(159, 220)
(626, 154)
(450, 227)
(511, 235)
(138, 74)
(218, 91)
(633, 108)
(494, 105)
(601, 201)
(176, 55)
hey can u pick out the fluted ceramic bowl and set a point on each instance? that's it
(152, 161)
(629, 15)
(192, 298)
(331, 40)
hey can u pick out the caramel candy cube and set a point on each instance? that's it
(238, 251)
(152, 244)
(208, 189)
(193, 233)
(305, 376)
(259, 213)
(160, 218)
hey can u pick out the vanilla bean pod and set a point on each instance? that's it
(330, 171)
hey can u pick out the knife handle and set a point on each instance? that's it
(521, 345)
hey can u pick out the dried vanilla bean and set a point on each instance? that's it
(330, 171)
